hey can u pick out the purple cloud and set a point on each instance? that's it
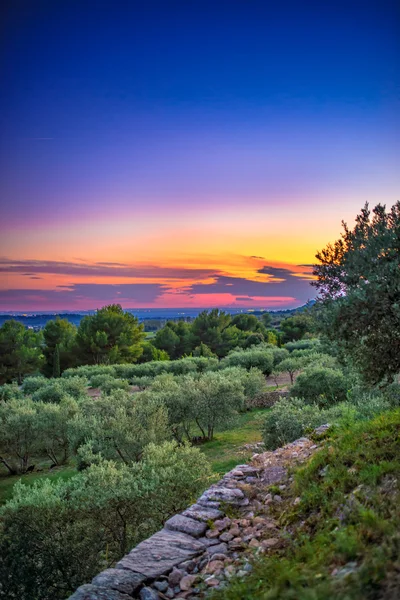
(101, 269)
(284, 284)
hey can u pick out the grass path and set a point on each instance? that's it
(223, 453)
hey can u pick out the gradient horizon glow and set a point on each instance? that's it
(188, 154)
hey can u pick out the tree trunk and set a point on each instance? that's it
(5, 463)
(201, 429)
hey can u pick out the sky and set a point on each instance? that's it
(189, 153)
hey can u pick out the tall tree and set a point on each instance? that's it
(56, 362)
(210, 328)
(110, 336)
(20, 352)
(166, 339)
(295, 328)
(61, 334)
(358, 280)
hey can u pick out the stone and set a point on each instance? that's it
(158, 554)
(236, 543)
(234, 531)
(207, 503)
(222, 524)
(209, 541)
(218, 549)
(237, 473)
(242, 573)
(219, 556)
(270, 543)
(147, 593)
(277, 498)
(322, 429)
(229, 571)
(161, 586)
(94, 592)
(215, 567)
(212, 581)
(175, 577)
(224, 494)
(119, 579)
(272, 475)
(186, 525)
(254, 543)
(187, 582)
(226, 537)
(212, 534)
(170, 593)
(200, 513)
(188, 565)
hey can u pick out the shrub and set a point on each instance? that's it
(9, 391)
(253, 381)
(58, 535)
(260, 359)
(289, 420)
(33, 384)
(311, 344)
(56, 389)
(107, 383)
(321, 385)
(279, 355)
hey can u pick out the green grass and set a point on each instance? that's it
(7, 482)
(223, 452)
(349, 513)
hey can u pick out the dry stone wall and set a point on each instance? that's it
(209, 542)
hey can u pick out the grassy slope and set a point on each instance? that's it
(223, 453)
(344, 537)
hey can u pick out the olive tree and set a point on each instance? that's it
(118, 426)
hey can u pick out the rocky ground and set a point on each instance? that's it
(214, 539)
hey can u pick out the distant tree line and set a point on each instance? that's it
(112, 336)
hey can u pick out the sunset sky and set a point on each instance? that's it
(188, 153)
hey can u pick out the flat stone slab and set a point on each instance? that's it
(200, 513)
(224, 494)
(94, 592)
(186, 525)
(160, 553)
(122, 580)
(272, 475)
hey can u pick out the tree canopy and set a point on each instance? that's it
(110, 336)
(358, 280)
(20, 351)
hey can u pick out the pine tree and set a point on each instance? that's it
(56, 362)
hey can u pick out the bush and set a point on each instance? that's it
(311, 344)
(58, 535)
(107, 383)
(321, 385)
(260, 359)
(253, 381)
(33, 384)
(57, 389)
(291, 419)
(8, 391)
